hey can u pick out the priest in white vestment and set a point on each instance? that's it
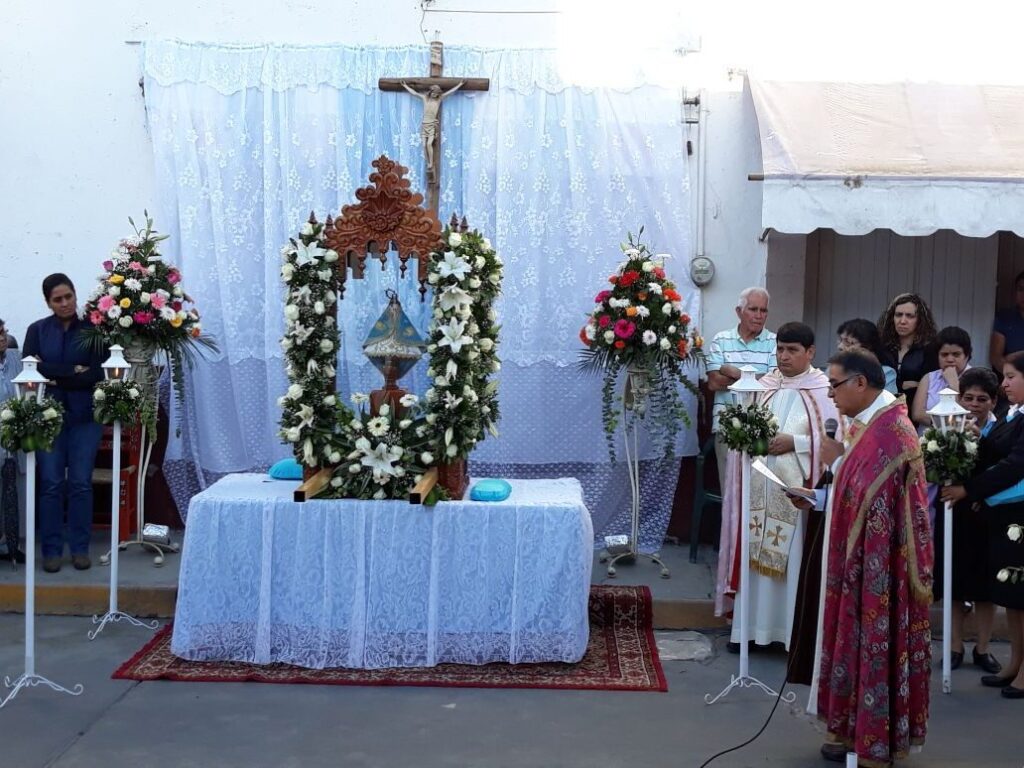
(798, 396)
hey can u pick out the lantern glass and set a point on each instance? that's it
(747, 388)
(30, 383)
(947, 415)
(115, 367)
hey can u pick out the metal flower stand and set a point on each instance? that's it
(745, 391)
(30, 383)
(634, 402)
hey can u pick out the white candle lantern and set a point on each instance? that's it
(947, 415)
(30, 383)
(746, 389)
(115, 367)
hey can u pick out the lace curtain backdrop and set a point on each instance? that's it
(248, 140)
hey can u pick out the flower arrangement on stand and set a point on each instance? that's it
(139, 301)
(948, 457)
(638, 325)
(30, 425)
(311, 411)
(122, 400)
(748, 428)
(382, 456)
(462, 403)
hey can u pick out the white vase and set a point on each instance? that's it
(139, 353)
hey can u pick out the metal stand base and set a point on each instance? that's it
(30, 680)
(160, 549)
(746, 681)
(112, 616)
(632, 556)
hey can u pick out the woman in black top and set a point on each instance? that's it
(1001, 454)
(908, 330)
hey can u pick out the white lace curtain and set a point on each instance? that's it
(249, 140)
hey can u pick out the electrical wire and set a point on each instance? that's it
(785, 680)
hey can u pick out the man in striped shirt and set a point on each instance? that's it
(749, 343)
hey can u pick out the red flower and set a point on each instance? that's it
(96, 317)
(671, 294)
(628, 278)
(624, 328)
(620, 344)
(583, 336)
(684, 319)
(659, 272)
(143, 318)
(602, 296)
(682, 347)
(614, 280)
(173, 276)
(176, 306)
(603, 321)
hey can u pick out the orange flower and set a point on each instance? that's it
(698, 341)
(196, 332)
(583, 336)
(620, 344)
(682, 347)
(642, 296)
(614, 279)
(630, 311)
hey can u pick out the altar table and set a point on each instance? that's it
(372, 584)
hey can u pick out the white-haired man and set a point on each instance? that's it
(749, 343)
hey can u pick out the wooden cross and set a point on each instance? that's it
(432, 91)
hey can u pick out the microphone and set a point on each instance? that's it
(831, 427)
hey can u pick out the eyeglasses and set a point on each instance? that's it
(834, 385)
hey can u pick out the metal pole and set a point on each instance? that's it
(947, 600)
(744, 564)
(115, 514)
(30, 564)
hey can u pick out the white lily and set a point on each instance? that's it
(451, 402)
(453, 265)
(380, 460)
(305, 415)
(453, 297)
(451, 370)
(454, 336)
(308, 254)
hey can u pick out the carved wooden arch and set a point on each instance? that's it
(389, 215)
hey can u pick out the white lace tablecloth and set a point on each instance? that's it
(371, 584)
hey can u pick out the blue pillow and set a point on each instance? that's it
(286, 469)
(490, 490)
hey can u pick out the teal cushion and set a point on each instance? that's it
(286, 469)
(490, 490)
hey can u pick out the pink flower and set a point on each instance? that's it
(602, 296)
(106, 302)
(143, 318)
(624, 329)
(158, 301)
(173, 277)
(96, 317)
(603, 321)
(108, 265)
(136, 266)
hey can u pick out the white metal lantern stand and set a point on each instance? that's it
(947, 416)
(114, 369)
(745, 392)
(29, 385)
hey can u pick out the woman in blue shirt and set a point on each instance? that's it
(74, 368)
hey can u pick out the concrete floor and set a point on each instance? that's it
(120, 723)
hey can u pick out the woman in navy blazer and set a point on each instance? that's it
(1001, 451)
(65, 471)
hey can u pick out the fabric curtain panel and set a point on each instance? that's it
(249, 140)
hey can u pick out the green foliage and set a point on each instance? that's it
(748, 428)
(124, 401)
(950, 457)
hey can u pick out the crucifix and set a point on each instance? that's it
(432, 91)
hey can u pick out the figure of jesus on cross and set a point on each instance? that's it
(432, 91)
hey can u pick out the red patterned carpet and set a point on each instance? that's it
(621, 656)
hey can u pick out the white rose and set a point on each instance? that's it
(405, 423)
(326, 345)
(144, 298)
(474, 282)
(647, 266)
(932, 447)
(125, 321)
(409, 400)
(330, 256)
(1003, 575)
(7, 414)
(609, 336)
(432, 278)
(472, 354)
(287, 272)
(431, 418)
(307, 229)
(380, 495)
(440, 381)
(492, 315)
(335, 457)
(664, 343)
(438, 314)
(318, 307)
(1014, 532)
(384, 410)
(330, 400)
(286, 344)
(354, 469)
(114, 290)
(495, 366)
(292, 434)
(480, 261)
(671, 329)
(666, 308)
(454, 239)
(291, 312)
(133, 393)
(426, 458)
(487, 244)
(151, 268)
(336, 482)
(451, 450)
(177, 291)
(494, 278)
(971, 447)
(295, 391)
(736, 423)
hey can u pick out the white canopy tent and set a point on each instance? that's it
(912, 158)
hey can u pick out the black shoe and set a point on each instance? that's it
(987, 661)
(81, 562)
(17, 556)
(1009, 692)
(732, 647)
(834, 753)
(995, 681)
(956, 658)
(51, 564)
